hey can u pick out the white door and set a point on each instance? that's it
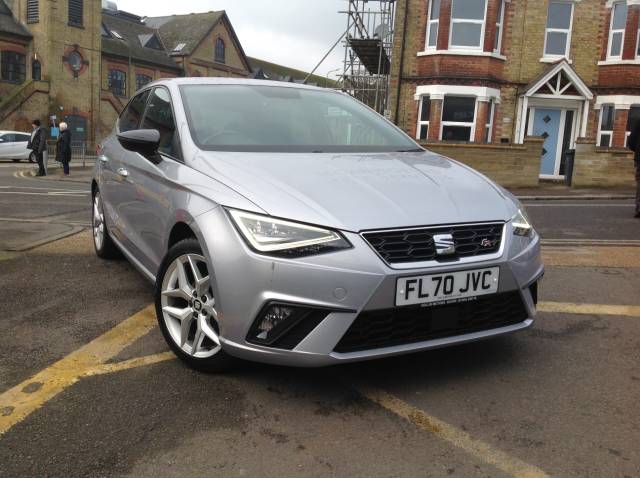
(6, 146)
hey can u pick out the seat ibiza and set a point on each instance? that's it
(293, 225)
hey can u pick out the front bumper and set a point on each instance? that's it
(349, 283)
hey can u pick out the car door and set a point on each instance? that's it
(152, 183)
(7, 146)
(22, 140)
(114, 184)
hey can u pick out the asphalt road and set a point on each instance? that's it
(87, 389)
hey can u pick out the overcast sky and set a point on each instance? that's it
(295, 33)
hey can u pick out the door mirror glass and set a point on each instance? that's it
(142, 141)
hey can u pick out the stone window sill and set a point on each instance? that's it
(555, 59)
(490, 54)
(619, 62)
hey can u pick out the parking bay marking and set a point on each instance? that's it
(20, 401)
(451, 434)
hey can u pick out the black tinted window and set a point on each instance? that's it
(22, 138)
(132, 115)
(160, 116)
(8, 138)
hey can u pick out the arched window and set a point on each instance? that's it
(118, 82)
(36, 70)
(220, 50)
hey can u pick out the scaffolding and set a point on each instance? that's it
(367, 51)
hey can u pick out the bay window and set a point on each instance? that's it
(616, 31)
(458, 117)
(605, 127)
(488, 131)
(558, 31)
(423, 118)
(467, 24)
(433, 24)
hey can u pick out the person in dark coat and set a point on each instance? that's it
(634, 145)
(38, 144)
(63, 148)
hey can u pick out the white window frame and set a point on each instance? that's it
(443, 123)
(605, 132)
(420, 122)
(613, 32)
(430, 23)
(489, 126)
(569, 31)
(482, 22)
(638, 45)
(499, 27)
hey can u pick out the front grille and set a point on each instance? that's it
(417, 245)
(401, 326)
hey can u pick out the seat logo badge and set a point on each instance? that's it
(487, 243)
(445, 244)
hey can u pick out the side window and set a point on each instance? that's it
(23, 138)
(130, 118)
(160, 116)
(9, 138)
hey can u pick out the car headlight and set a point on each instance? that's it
(521, 224)
(285, 238)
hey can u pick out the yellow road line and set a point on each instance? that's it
(20, 401)
(129, 364)
(590, 309)
(452, 435)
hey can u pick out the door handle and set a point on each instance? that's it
(103, 158)
(123, 172)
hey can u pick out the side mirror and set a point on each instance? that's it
(142, 141)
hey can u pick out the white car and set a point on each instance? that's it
(13, 145)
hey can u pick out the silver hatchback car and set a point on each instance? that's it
(293, 225)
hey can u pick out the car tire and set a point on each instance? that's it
(32, 158)
(185, 308)
(103, 244)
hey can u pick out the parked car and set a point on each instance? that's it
(13, 145)
(293, 225)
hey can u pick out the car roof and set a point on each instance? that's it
(234, 81)
(14, 132)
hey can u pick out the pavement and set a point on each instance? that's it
(88, 388)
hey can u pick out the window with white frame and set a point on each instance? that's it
(605, 127)
(497, 45)
(558, 32)
(458, 117)
(617, 28)
(467, 24)
(433, 25)
(488, 131)
(638, 44)
(423, 118)
(633, 121)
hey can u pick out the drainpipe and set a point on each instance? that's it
(401, 66)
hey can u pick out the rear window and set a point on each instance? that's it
(284, 119)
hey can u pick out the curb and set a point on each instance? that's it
(597, 197)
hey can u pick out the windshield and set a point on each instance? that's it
(281, 119)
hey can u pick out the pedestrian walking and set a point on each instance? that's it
(63, 148)
(634, 145)
(38, 144)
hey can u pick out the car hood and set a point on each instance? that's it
(356, 192)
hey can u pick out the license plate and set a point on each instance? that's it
(448, 286)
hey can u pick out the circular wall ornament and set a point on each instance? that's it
(75, 61)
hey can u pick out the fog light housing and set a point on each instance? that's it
(282, 325)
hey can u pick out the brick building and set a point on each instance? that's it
(81, 60)
(495, 72)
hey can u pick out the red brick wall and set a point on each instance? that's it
(460, 67)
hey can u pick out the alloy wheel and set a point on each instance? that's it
(188, 306)
(98, 222)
